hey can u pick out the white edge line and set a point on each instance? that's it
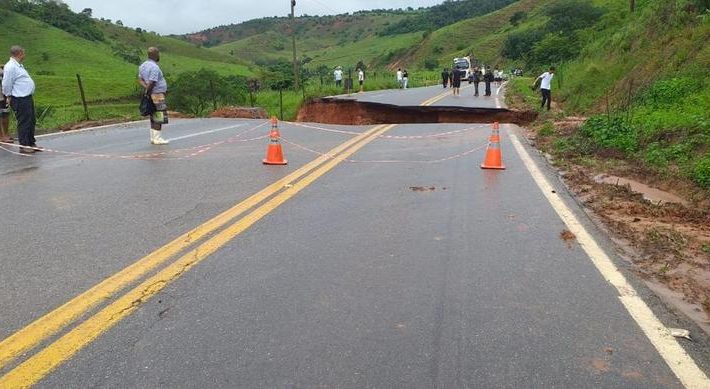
(682, 364)
(206, 132)
(60, 133)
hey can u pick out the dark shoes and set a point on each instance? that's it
(30, 149)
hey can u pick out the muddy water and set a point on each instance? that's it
(651, 194)
(333, 111)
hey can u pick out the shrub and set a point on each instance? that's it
(669, 92)
(701, 172)
(431, 63)
(610, 133)
(518, 17)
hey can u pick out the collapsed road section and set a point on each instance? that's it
(338, 111)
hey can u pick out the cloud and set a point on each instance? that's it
(182, 16)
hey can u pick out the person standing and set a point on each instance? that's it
(545, 86)
(477, 75)
(456, 82)
(445, 77)
(4, 115)
(488, 78)
(400, 80)
(18, 88)
(338, 75)
(405, 79)
(361, 78)
(151, 78)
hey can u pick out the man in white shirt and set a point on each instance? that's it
(18, 88)
(361, 78)
(545, 85)
(400, 80)
(338, 75)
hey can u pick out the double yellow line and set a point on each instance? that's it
(47, 359)
(437, 98)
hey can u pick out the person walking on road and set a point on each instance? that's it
(456, 82)
(400, 80)
(405, 79)
(18, 88)
(151, 78)
(477, 75)
(488, 78)
(445, 77)
(338, 75)
(4, 115)
(545, 85)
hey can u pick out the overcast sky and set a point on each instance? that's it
(184, 16)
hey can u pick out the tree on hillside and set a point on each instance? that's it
(58, 15)
(518, 17)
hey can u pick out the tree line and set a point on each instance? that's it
(57, 14)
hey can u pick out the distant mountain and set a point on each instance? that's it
(401, 21)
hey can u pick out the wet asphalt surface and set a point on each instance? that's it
(416, 96)
(406, 274)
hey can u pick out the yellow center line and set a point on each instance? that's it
(46, 360)
(437, 98)
(53, 322)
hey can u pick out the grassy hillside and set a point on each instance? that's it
(108, 71)
(315, 37)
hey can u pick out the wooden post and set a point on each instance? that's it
(83, 96)
(281, 104)
(212, 94)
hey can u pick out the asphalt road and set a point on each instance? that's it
(434, 96)
(402, 265)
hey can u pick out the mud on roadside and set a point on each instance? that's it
(666, 243)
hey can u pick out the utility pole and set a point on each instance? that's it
(293, 41)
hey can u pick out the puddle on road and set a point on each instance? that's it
(651, 194)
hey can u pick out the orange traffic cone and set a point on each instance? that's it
(494, 157)
(274, 153)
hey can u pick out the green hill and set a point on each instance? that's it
(107, 67)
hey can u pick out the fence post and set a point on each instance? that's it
(214, 99)
(83, 96)
(281, 103)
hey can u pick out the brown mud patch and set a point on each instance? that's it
(660, 224)
(240, 113)
(348, 112)
(667, 243)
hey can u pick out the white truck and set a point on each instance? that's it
(464, 66)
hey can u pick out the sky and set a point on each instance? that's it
(185, 16)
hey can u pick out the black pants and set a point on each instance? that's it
(475, 88)
(24, 108)
(546, 98)
(488, 88)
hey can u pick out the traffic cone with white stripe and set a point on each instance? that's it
(274, 153)
(494, 157)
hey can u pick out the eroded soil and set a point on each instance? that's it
(667, 242)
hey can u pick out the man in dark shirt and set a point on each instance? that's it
(445, 77)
